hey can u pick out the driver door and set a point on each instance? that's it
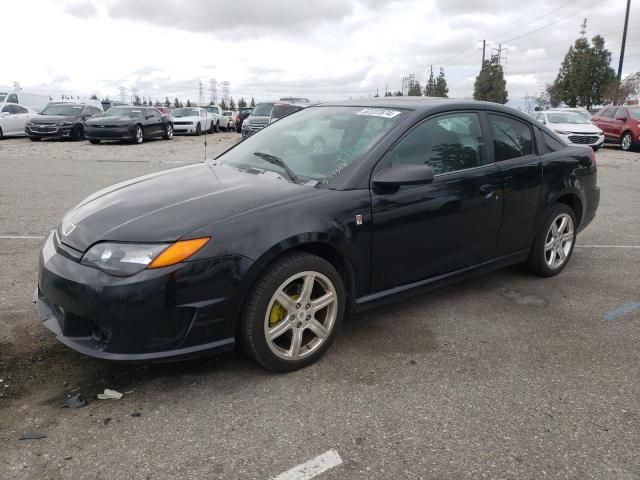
(421, 231)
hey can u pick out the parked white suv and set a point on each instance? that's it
(219, 119)
(572, 127)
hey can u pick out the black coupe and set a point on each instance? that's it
(271, 243)
(132, 124)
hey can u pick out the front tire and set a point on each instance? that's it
(94, 142)
(293, 313)
(553, 244)
(216, 129)
(138, 137)
(168, 132)
(198, 129)
(210, 128)
(79, 133)
(626, 141)
(34, 139)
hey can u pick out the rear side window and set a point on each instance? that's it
(446, 143)
(511, 138)
(13, 98)
(608, 112)
(551, 144)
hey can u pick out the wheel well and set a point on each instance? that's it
(573, 202)
(337, 260)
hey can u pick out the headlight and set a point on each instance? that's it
(29, 124)
(125, 259)
(64, 124)
(600, 132)
(561, 132)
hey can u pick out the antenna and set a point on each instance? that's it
(206, 117)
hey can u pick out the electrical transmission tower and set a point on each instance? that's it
(200, 93)
(225, 90)
(497, 54)
(134, 94)
(123, 93)
(213, 90)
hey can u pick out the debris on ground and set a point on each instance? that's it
(74, 401)
(109, 395)
(32, 436)
(107, 420)
(136, 414)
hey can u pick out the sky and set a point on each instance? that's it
(319, 49)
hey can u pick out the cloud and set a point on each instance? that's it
(250, 18)
(82, 9)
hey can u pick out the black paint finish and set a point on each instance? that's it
(407, 238)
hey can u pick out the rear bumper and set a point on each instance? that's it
(593, 200)
(166, 313)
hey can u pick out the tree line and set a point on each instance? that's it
(177, 103)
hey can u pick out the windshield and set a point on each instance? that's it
(246, 110)
(228, 113)
(315, 144)
(567, 117)
(67, 110)
(635, 113)
(124, 112)
(2, 97)
(262, 110)
(186, 112)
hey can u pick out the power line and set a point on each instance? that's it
(534, 20)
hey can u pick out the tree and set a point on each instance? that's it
(490, 84)
(585, 74)
(188, 103)
(620, 92)
(223, 105)
(397, 93)
(430, 87)
(176, 103)
(232, 104)
(136, 101)
(415, 90)
(144, 103)
(253, 102)
(441, 89)
(94, 97)
(242, 103)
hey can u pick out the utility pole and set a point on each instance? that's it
(624, 40)
(484, 48)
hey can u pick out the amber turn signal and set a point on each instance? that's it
(178, 252)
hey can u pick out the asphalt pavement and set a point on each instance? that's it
(505, 376)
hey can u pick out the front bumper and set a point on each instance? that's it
(184, 129)
(108, 133)
(38, 131)
(167, 313)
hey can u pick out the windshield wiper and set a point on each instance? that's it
(279, 162)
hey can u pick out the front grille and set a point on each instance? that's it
(183, 123)
(583, 139)
(106, 126)
(44, 128)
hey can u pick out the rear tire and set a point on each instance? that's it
(1, 134)
(138, 137)
(307, 320)
(94, 142)
(79, 133)
(554, 242)
(210, 128)
(34, 139)
(217, 127)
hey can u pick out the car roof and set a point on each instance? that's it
(425, 104)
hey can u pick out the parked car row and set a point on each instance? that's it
(87, 120)
(618, 125)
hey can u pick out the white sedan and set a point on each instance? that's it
(572, 127)
(192, 120)
(13, 118)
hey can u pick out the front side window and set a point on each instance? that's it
(7, 109)
(511, 138)
(608, 113)
(19, 109)
(316, 144)
(446, 143)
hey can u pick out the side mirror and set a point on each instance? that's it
(409, 174)
(4, 114)
(622, 119)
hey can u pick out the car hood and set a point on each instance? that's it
(164, 206)
(111, 119)
(190, 118)
(574, 127)
(53, 118)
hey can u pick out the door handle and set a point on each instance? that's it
(488, 190)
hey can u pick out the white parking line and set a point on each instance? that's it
(607, 246)
(313, 467)
(20, 237)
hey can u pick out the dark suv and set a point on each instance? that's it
(620, 125)
(60, 120)
(243, 113)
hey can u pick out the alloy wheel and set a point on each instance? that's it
(558, 241)
(626, 142)
(301, 315)
(139, 135)
(169, 132)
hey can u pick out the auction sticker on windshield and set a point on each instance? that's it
(379, 112)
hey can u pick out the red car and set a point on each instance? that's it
(620, 125)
